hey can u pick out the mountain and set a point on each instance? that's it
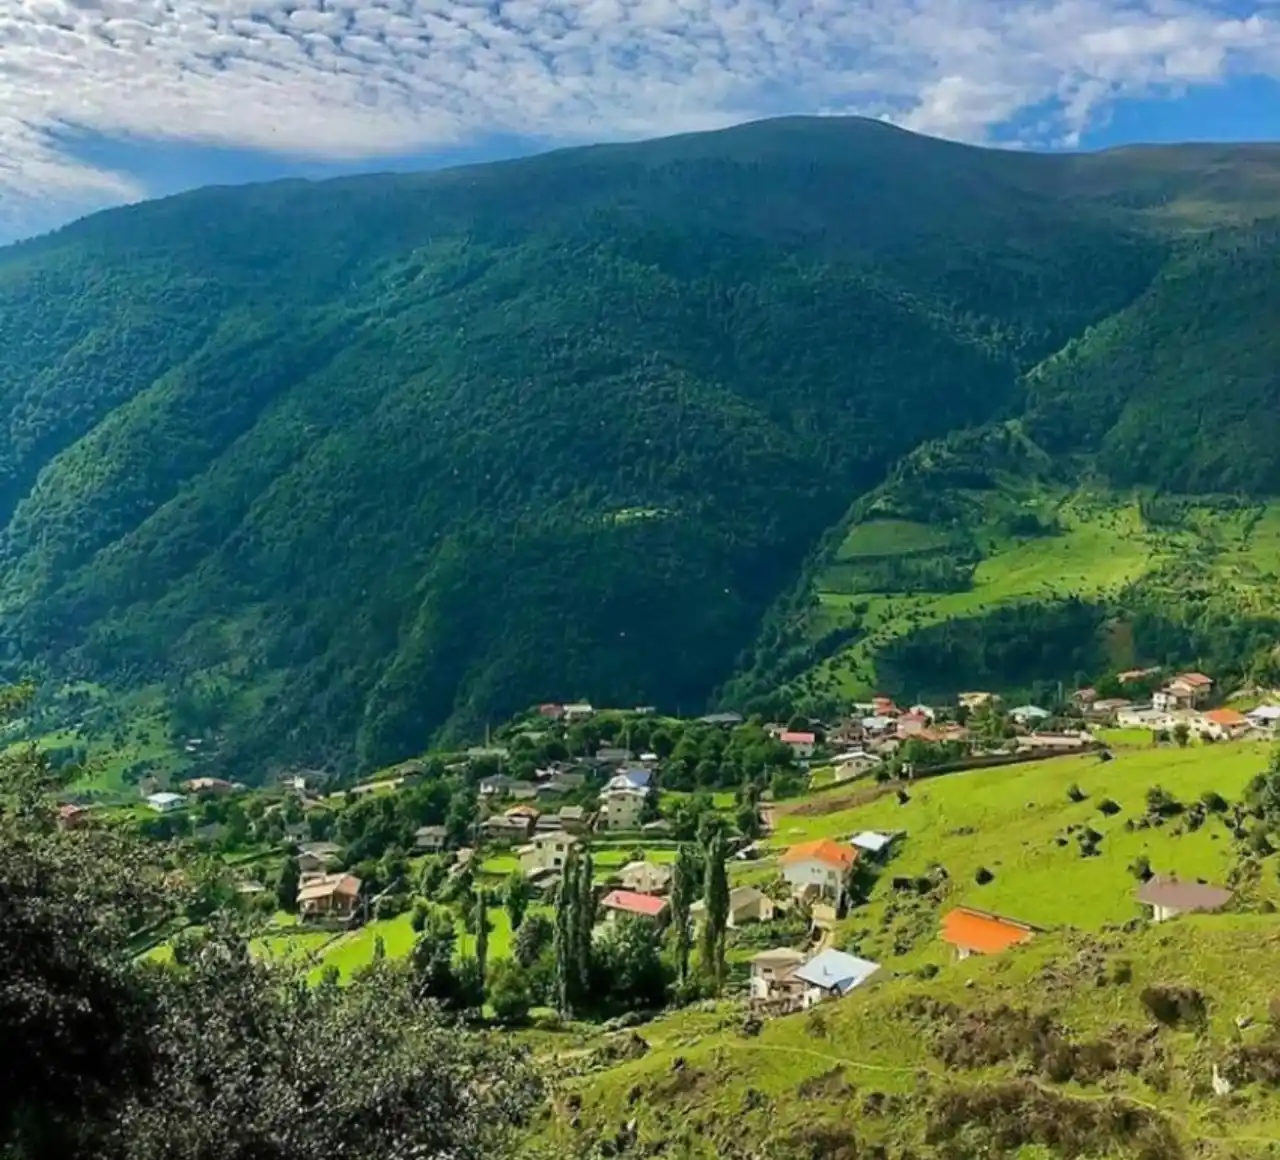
(340, 469)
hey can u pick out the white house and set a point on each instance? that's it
(621, 809)
(771, 968)
(831, 974)
(872, 843)
(1029, 714)
(578, 711)
(1168, 897)
(1185, 691)
(546, 852)
(854, 764)
(166, 803)
(1265, 717)
(818, 867)
(645, 877)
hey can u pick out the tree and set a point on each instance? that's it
(516, 899)
(1182, 734)
(509, 992)
(480, 920)
(536, 933)
(684, 891)
(566, 935)
(716, 897)
(432, 957)
(287, 885)
(630, 965)
(586, 916)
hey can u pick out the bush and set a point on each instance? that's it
(1214, 802)
(1089, 839)
(1140, 868)
(1162, 803)
(1075, 793)
(982, 876)
(1175, 1006)
(421, 908)
(1109, 807)
(508, 992)
(391, 906)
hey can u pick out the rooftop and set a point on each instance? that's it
(1177, 895)
(833, 970)
(823, 850)
(988, 934)
(629, 902)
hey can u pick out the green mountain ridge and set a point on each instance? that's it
(372, 462)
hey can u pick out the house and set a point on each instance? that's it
(1026, 715)
(1185, 691)
(976, 700)
(166, 803)
(872, 843)
(1107, 708)
(546, 852)
(911, 724)
(977, 932)
(71, 816)
(309, 863)
(1224, 724)
(1085, 697)
(329, 896)
(645, 877)
(878, 724)
(1168, 897)
(631, 779)
(1142, 717)
(854, 764)
(801, 744)
(612, 756)
(746, 905)
(321, 850)
(1265, 717)
(818, 867)
(567, 780)
(501, 828)
(724, 720)
(528, 814)
(1058, 742)
(210, 785)
(573, 818)
(924, 711)
(430, 839)
(1129, 676)
(551, 711)
(771, 969)
(622, 902)
(578, 711)
(621, 809)
(831, 974)
(496, 786)
(884, 707)
(548, 824)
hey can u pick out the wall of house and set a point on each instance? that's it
(813, 873)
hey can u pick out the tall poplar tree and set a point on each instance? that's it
(716, 897)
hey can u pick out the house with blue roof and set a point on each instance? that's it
(832, 974)
(631, 779)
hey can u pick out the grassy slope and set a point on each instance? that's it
(1007, 820)
(1103, 546)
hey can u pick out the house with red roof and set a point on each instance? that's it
(802, 744)
(977, 932)
(71, 816)
(818, 868)
(620, 902)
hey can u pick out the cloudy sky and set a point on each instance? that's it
(104, 101)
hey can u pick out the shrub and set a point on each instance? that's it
(1109, 807)
(508, 992)
(815, 1025)
(1140, 868)
(1162, 803)
(1122, 971)
(1175, 1006)
(1089, 839)
(1214, 802)
(1260, 841)
(1075, 793)
(982, 876)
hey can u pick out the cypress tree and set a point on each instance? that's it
(566, 935)
(716, 897)
(684, 890)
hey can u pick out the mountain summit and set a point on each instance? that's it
(371, 462)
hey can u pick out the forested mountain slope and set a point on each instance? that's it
(391, 456)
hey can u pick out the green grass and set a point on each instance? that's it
(1103, 547)
(1008, 819)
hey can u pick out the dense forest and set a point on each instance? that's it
(383, 459)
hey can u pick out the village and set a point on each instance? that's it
(628, 790)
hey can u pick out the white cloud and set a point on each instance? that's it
(358, 78)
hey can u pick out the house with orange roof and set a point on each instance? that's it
(1224, 724)
(818, 868)
(978, 932)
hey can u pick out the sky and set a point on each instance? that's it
(111, 101)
